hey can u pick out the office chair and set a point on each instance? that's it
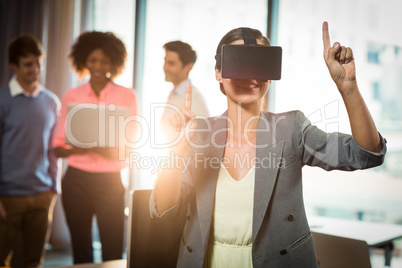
(151, 244)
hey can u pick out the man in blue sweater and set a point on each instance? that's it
(28, 167)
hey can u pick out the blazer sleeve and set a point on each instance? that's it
(332, 150)
(186, 191)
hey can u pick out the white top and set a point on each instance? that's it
(16, 89)
(231, 230)
(177, 97)
(173, 104)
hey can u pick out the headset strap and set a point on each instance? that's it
(249, 39)
(248, 36)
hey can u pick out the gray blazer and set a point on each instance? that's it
(285, 143)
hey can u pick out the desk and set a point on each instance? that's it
(379, 235)
(107, 264)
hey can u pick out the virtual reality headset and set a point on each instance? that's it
(250, 61)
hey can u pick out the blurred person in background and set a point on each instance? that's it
(28, 166)
(92, 184)
(179, 61)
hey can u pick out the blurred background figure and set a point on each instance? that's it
(179, 60)
(92, 184)
(28, 166)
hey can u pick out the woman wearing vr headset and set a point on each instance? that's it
(240, 178)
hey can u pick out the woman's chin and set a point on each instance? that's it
(247, 101)
(98, 78)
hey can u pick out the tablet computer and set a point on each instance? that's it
(91, 125)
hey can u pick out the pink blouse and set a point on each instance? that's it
(111, 94)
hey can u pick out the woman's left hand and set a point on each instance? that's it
(340, 62)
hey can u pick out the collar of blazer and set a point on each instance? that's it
(265, 175)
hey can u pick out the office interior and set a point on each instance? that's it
(370, 28)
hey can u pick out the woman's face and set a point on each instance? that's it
(98, 65)
(244, 91)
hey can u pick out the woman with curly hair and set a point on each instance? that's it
(92, 185)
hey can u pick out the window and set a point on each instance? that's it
(374, 53)
(119, 19)
(201, 24)
(376, 90)
(371, 194)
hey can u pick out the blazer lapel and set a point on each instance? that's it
(268, 159)
(206, 182)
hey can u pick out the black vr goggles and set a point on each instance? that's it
(250, 61)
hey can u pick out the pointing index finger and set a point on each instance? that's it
(325, 37)
(188, 98)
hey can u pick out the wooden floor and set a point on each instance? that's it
(63, 258)
(54, 259)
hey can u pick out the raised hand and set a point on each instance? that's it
(341, 65)
(184, 123)
(340, 62)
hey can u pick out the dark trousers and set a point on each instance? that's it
(87, 194)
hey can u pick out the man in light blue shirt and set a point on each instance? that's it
(179, 61)
(28, 167)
